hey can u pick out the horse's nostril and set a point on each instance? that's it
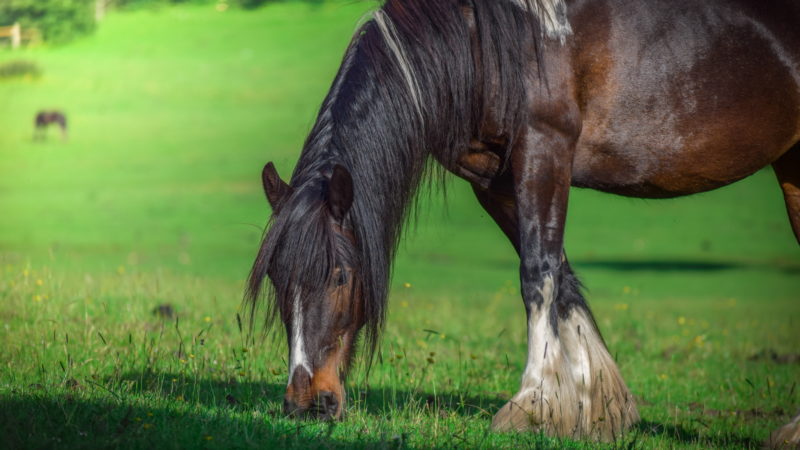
(327, 404)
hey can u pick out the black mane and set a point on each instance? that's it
(370, 124)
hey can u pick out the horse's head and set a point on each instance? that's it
(309, 256)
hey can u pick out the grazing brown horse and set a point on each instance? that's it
(523, 99)
(45, 118)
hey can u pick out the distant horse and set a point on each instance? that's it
(523, 99)
(44, 119)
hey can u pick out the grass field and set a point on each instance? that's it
(155, 200)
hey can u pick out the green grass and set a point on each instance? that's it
(155, 199)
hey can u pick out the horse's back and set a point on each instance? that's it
(682, 96)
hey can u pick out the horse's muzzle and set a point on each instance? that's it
(325, 406)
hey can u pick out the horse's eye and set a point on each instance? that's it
(341, 278)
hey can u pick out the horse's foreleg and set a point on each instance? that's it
(571, 386)
(787, 168)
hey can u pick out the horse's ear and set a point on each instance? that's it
(274, 186)
(340, 192)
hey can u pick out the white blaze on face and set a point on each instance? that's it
(297, 354)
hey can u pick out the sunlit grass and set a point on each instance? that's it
(96, 356)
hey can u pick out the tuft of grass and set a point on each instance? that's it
(20, 68)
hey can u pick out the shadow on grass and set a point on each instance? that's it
(69, 422)
(679, 434)
(787, 267)
(658, 265)
(142, 418)
(267, 396)
(685, 266)
(162, 410)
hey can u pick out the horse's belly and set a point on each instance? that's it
(661, 130)
(685, 154)
(657, 159)
(659, 173)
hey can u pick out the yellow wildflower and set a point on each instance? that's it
(699, 341)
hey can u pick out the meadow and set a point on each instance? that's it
(124, 249)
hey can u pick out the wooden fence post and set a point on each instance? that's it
(16, 35)
(99, 10)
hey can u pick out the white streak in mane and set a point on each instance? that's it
(552, 15)
(389, 34)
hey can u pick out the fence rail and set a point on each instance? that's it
(18, 36)
(14, 32)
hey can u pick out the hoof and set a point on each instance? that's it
(787, 436)
(529, 411)
(513, 417)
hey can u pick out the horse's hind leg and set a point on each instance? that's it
(787, 168)
(571, 386)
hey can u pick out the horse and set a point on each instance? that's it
(523, 99)
(45, 118)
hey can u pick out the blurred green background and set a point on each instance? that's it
(155, 199)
